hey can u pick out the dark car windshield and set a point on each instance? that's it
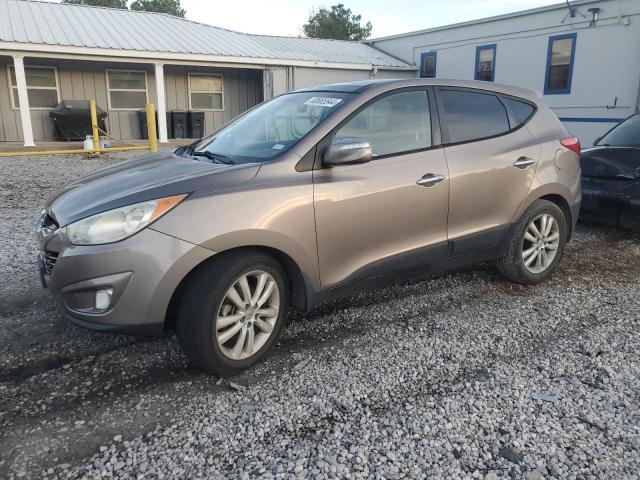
(272, 128)
(625, 134)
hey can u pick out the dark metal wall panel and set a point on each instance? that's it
(85, 80)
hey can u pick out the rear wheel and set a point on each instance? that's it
(537, 244)
(233, 311)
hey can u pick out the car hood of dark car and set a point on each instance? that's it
(140, 179)
(622, 163)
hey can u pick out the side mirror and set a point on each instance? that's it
(347, 150)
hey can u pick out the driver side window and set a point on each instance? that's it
(395, 124)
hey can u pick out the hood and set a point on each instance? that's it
(622, 163)
(139, 179)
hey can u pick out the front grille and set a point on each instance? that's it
(49, 260)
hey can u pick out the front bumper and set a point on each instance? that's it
(612, 202)
(141, 272)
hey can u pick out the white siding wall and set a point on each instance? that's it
(606, 64)
(309, 77)
(286, 79)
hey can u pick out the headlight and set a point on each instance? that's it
(119, 223)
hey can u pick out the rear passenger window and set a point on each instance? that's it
(395, 124)
(521, 110)
(473, 116)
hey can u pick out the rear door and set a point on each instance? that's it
(374, 218)
(492, 161)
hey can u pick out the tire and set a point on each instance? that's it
(514, 266)
(207, 314)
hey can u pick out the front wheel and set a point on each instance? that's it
(537, 244)
(232, 312)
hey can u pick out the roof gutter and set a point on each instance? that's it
(520, 13)
(143, 56)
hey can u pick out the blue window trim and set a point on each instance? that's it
(574, 37)
(493, 64)
(433, 54)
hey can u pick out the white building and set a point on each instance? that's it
(584, 59)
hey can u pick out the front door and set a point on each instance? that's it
(375, 218)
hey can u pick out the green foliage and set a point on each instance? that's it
(100, 3)
(337, 23)
(172, 7)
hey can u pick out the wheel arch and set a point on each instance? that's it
(563, 204)
(296, 280)
(557, 194)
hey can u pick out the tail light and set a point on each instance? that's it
(572, 143)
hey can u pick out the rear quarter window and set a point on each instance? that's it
(522, 111)
(472, 115)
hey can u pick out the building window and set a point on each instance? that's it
(205, 92)
(560, 55)
(485, 63)
(42, 87)
(127, 89)
(428, 65)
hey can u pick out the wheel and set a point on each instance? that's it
(537, 244)
(232, 311)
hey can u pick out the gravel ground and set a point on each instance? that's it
(464, 375)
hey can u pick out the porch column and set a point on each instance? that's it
(162, 104)
(23, 98)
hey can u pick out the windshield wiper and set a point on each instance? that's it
(214, 157)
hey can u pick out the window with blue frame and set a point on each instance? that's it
(485, 63)
(428, 62)
(560, 56)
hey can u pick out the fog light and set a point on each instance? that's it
(103, 298)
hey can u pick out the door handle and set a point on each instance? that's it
(524, 162)
(430, 179)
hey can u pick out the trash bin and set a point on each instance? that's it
(142, 122)
(169, 129)
(72, 119)
(179, 124)
(195, 121)
(144, 129)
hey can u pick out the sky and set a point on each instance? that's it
(286, 17)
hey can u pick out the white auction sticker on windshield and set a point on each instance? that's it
(323, 102)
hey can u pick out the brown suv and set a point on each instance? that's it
(313, 195)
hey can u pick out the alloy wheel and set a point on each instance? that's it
(247, 315)
(541, 242)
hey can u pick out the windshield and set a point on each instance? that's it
(625, 134)
(272, 128)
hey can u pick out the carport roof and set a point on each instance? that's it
(43, 23)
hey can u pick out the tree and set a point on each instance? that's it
(122, 4)
(172, 7)
(337, 23)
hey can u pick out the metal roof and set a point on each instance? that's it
(56, 24)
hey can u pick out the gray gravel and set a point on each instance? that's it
(461, 376)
